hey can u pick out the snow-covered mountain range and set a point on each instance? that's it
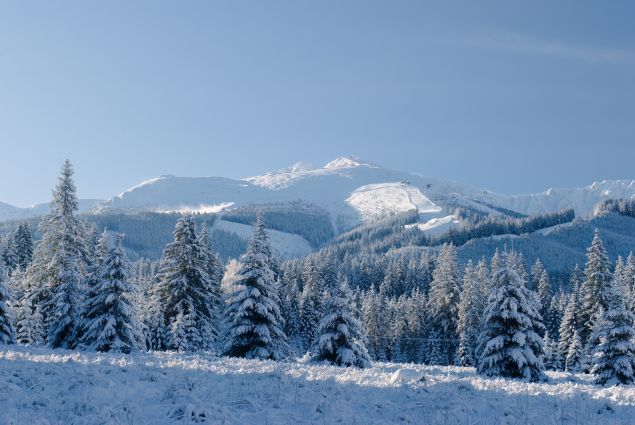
(350, 189)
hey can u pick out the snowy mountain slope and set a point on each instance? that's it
(342, 187)
(287, 245)
(43, 386)
(582, 199)
(10, 212)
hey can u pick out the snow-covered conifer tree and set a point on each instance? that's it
(568, 326)
(471, 308)
(56, 272)
(110, 319)
(443, 301)
(255, 324)
(574, 360)
(597, 281)
(23, 241)
(341, 338)
(7, 331)
(614, 356)
(185, 291)
(511, 342)
(537, 271)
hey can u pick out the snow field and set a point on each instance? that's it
(43, 386)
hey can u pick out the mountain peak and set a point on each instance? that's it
(343, 162)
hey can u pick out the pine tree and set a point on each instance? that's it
(341, 339)
(545, 293)
(443, 301)
(574, 360)
(614, 356)
(7, 331)
(310, 304)
(110, 319)
(9, 256)
(537, 271)
(471, 308)
(374, 322)
(598, 278)
(23, 241)
(569, 326)
(552, 357)
(56, 272)
(512, 346)
(185, 291)
(255, 324)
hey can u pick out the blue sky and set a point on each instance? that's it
(509, 96)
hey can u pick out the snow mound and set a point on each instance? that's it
(376, 200)
(407, 376)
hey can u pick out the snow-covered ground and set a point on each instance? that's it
(288, 245)
(42, 386)
(379, 200)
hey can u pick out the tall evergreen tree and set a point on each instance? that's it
(7, 331)
(443, 301)
(23, 241)
(471, 308)
(341, 338)
(574, 360)
(537, 271)
(614, 356)
(185, 291)
(512, 346)
(110, 318)
(597, 281)
(255, 324)
(56, 272)
(569, 326)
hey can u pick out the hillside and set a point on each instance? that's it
(56, 386)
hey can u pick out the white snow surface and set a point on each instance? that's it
(437, 226)
(43, 386)
(288, 245)
(379, 200)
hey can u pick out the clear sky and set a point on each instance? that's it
(513, 96)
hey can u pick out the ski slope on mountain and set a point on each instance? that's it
(287, 245)
(43, 386)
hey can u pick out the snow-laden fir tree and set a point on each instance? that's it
(574, 360)
(569, 326)
(29, 326)
(9, 255)
(545, 293)
(552, 356)
(7, 331)
(214, 265)
(56, 272)
(471, 308)
(614, 356)
(255, 324)
(185, 291)
(373, 311)
(23, 241)
(310, 303)
(597, 281)
(341, 338)
(537, 271)
(110, 317)
(443, 301)
(511, 342)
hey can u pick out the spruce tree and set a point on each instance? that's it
(569, 326)
(185, 291)
(511, 342)
(341, 339)
(443, 301)
(57, 270)
(255, 324)
(574, 360)
(471, 308)
(110, 318)
(7, 331)
(23, 241)
(614, 356)
(597, 281)
(537, 271)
